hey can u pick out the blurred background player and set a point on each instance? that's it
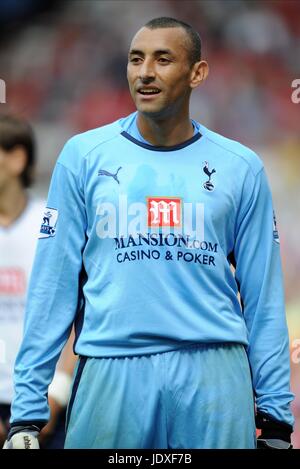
(20, 220)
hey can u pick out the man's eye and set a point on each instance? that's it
(163, 60)
(135, 60)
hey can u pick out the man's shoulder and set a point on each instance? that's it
(78, 147)
(244, 153)
(86, 141)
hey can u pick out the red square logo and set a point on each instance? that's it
(164, 211)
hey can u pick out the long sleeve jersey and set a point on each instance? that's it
(136, 247)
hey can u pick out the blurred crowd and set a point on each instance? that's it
(65, 70)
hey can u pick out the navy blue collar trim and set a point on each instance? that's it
(161, 148)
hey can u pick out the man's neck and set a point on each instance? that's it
(165, 132)
(13, 200)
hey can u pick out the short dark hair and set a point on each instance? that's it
(194, 37)
(15, 131)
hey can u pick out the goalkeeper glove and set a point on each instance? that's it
(274, 434)
(22, 437)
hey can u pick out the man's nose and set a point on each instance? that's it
(147, 73)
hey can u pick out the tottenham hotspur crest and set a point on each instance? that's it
(208, 185)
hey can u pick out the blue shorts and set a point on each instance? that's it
(196, 397)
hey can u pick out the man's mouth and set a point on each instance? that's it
(148, 91)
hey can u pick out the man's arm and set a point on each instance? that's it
(258, 272)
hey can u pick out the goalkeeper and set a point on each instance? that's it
(169, 358)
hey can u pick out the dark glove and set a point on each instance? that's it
(22, 437)
(274, 434)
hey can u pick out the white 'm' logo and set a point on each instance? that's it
(166, 209)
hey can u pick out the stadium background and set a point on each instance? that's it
(64, 63)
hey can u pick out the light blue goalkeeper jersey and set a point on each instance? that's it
(136, 245)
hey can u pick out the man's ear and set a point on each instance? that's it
(199, 73)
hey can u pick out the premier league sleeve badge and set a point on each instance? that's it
(49, 221)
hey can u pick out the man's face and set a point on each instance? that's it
(159, 71)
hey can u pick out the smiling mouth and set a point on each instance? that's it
(148, 91)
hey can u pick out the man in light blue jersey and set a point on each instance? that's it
(148, 216)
